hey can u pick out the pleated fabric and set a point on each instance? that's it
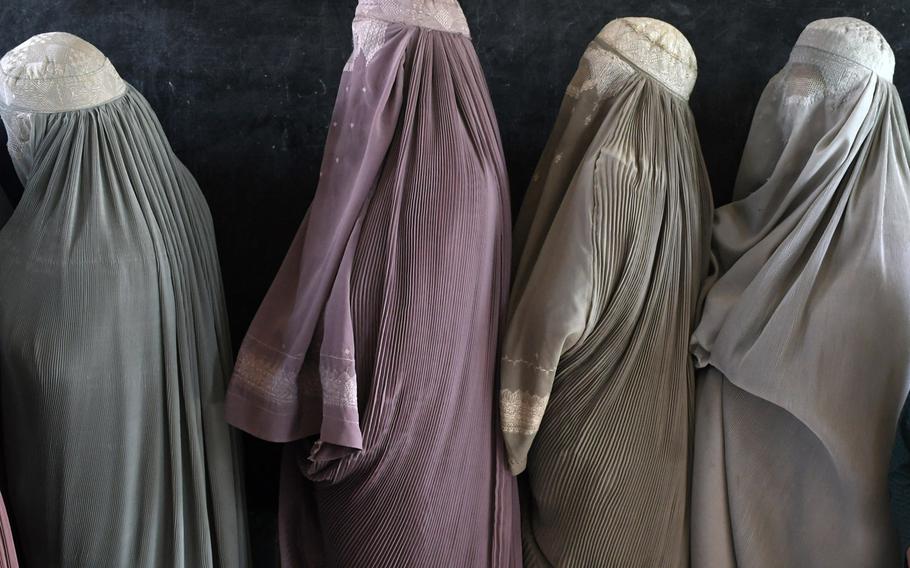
(805, 331)
(597, 383)
(374, 352)
(114, 351)
(8, 558)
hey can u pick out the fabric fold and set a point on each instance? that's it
(114, 342)
(612, 243)
(803, 333)
(374, 352)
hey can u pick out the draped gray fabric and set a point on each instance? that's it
(805, 334)
(114, 352)
(612, 242)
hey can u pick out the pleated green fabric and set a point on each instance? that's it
(597, 399)
(114, 351)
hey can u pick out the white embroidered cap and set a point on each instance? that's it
(852, 39)
(57, 72)
(656, 48)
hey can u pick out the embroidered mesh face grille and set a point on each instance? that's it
(812, 76)
(374, 17)
(441, 15)
(602, 71)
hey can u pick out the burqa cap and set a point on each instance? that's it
(57, 72)
(655, 47)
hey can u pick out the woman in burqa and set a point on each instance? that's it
(114, 347)
(612, 241)
(805, 333)
(374, 352)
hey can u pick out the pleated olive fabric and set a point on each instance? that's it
(8, 557)
(114, 345)
(805, 332)
(597, 392)
(374, 351)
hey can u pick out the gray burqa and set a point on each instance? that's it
(597, 381)
(114, 347)
(805, 333)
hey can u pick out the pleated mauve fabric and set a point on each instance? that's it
(8, 557)
(374, 351)
(597, 391)
(804, 334)
(114, 348)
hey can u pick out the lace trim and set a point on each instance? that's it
(852, 39)
(270, 380)
(655, 47)
(336, 382)
(57, 72)
(600, 70)
(521, 412)
(440, 15)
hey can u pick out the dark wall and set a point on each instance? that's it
(245, 89)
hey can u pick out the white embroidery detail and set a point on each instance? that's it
(339, 385)
(811, 75)
(57, 72)
(268, 379)
(521, 412)
(600, 70)
(334, 382)
(372, 19)
(440, 15)
(531, 364)
(369, 35)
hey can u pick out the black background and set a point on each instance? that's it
(245, 89)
